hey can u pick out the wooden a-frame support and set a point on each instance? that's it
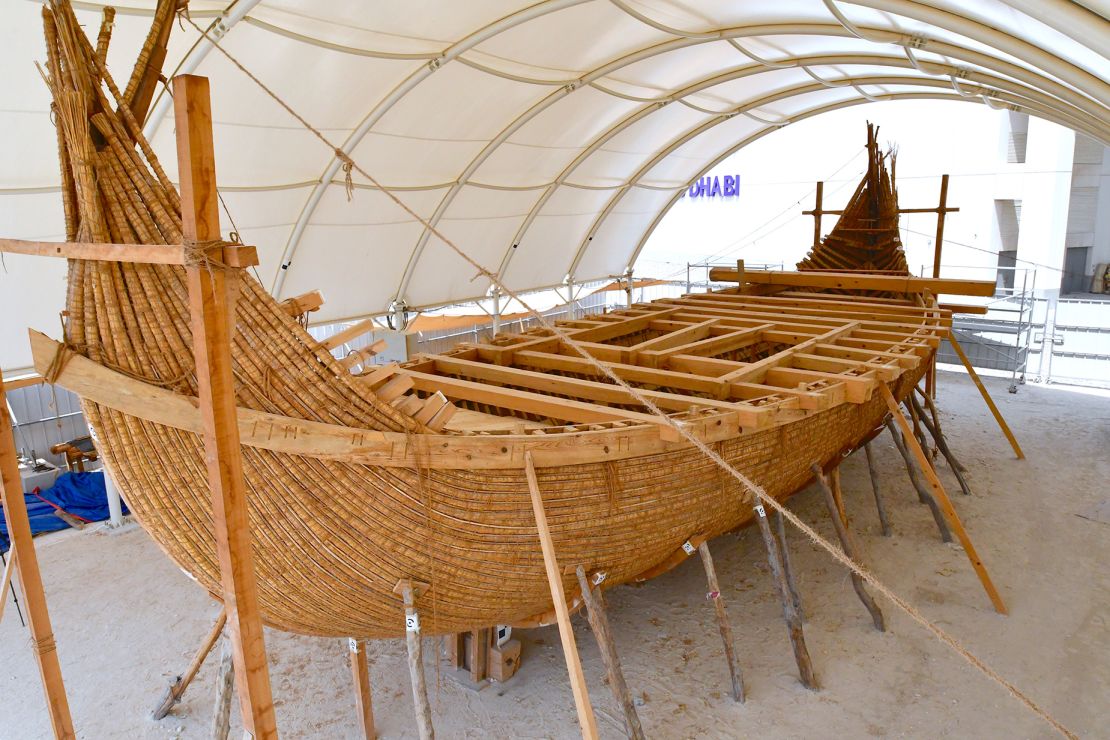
(24, 559)
(212, 294)
(942, 500)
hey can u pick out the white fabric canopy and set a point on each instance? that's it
(545, 138)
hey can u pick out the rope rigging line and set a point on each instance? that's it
(756, 490)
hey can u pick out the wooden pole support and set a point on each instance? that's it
(360, 673)
(225, 687)
(212, 294)
(177, 688)
(933, 427)
(566, 633)
(723, 624)
(789, 612)
(595, 611)
(986, 396)
(24, 558)
(944, 502)
(839, 519)
(409, 591)
(817, 215)
(941, 213)
(788, 566)
(923, 494)
(5, 581)
(884, 521)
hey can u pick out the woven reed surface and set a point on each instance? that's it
(331, 539)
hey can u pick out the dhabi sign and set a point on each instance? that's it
(714, 186)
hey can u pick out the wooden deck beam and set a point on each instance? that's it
(856, 281)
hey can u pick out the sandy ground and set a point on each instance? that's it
(126, 620)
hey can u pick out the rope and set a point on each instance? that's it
(647, 403)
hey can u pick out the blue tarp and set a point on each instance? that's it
(79, 494)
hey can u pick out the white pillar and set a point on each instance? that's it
(115, 509)
(1045, 201)
(496, 314)
(628, 288)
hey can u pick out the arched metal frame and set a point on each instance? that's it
(1079, 100)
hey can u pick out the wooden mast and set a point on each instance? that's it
(212, 294)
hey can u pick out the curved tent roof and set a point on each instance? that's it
(546, 138)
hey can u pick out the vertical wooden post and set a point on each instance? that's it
(360, 673)
(212, 293)
(817, 215)
(941, 213)
(874, 473)
(986, 396)
(409, 590)
(944, 502)
(34, 597)
(835, 505)
(599, 623)
(723, 624)
(566, 633)
(789, 612)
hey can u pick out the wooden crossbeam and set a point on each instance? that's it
(303, 303)
(857, 281)
(232, 255)
(351, 332)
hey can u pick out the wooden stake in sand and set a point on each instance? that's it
(883, 520)
(566, 633)
(723, 624)
(839, 519)
(599, 623)
(360, 673)
(225, 687)
(789, 611)
(934, 429)
(409, 591)
(24, 558)
(177, 688)
(923, 494)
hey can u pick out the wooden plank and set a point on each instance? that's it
(360, 676)
(24, 557)
(858, 281)
(566, 632)
(987, 397)
(22, 381)
(943, 501)
(236, 255)
(360, 356)
(212, 294)
(589, 390)
(351, 332)
(303, 303)
(756, 370)
(9, 569)
(534, 403)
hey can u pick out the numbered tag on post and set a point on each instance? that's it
(352, 643)
(412, 622)
(688, 548)
(761, 511)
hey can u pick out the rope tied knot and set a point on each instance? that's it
(348, 166)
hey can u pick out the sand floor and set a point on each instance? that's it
(127, 620)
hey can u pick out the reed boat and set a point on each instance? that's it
(416, 470)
